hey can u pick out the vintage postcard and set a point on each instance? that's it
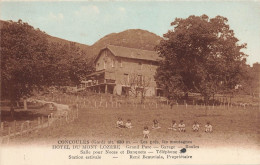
(130, 82)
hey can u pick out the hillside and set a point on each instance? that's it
(63, 41)
(56, 39)
(133, 38)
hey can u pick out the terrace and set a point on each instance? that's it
(102, 81)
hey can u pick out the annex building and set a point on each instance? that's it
(117, 68)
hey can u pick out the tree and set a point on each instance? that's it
(23, 51)
(250, 83)
(136, 85)
(199, 55)
(68, 64)
(29, 61)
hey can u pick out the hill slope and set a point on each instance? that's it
(63, 41)
(133, 38)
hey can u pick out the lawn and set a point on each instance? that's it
(235, 126)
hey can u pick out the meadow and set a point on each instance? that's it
(232, 126)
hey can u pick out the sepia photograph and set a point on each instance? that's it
(129, 82)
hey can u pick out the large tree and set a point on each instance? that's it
(199, 55)
(29, 61)
(23, 59)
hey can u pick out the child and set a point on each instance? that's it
(195, 126)
(208, 127)
(156, 124)
(173, 126)
(128, 124)
(146, 132)
(120, 123)
(181, 126)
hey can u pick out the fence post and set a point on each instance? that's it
(2, 126)
(42, 121)
(73, 115)
(66, 116)
(186, 105)
(60, 120)
(28, 125)
(21, 131)
(14, 124)
(49, 120)
(25, 104)
(9, 134)
(51, 116)
(39, 121)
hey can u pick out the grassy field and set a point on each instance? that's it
(231, 127)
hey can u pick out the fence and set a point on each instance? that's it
(67, 116)
(111, 103)
(16, 129)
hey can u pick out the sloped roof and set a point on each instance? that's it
(132, 53)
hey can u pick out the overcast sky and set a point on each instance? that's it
(86, 22)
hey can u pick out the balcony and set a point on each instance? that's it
(92, 83)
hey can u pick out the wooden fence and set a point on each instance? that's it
(11, 131)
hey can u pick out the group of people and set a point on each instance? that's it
(195, 126)
(174, 126)
(120, 123)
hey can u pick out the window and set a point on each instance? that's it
(126, 77)
(104, 64)
(120, 63)
(140, 65)
(113, 63)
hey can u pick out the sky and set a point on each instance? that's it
(88, 21)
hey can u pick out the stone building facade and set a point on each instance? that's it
(117, 67)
